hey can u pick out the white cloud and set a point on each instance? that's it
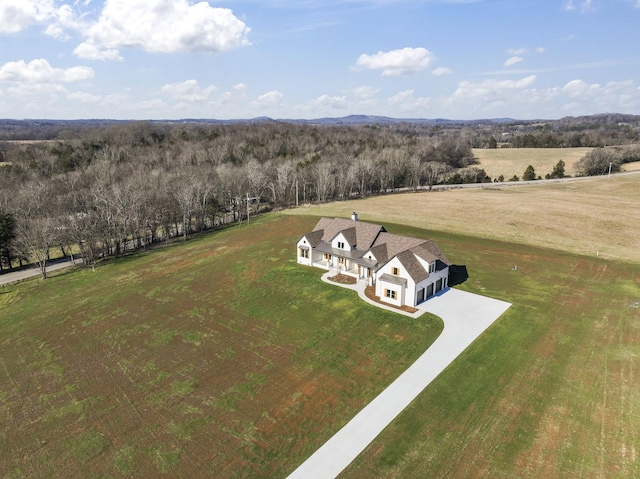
(40, 71)
(149, 105)
(84, 97)
(268, 99)
(517, 51)
(164, 26)
(325, 100)
(401, 97)
(189, 91)
(406, 102)
(520, 99)
(442, 71)
(491, 90)
(405, 61)
(240, 86)
(583, 5)
(91, 52)
(16, 15)
(513, 60)
(365, 91)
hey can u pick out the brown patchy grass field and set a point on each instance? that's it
(549, 390)
(513, 161)
(635, 166)
(592, 217)
(220, 357)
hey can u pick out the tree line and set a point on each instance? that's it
(125, 187)
(115, 188)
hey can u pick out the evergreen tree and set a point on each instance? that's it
(529, 174)
(558, 170)
(7, 235)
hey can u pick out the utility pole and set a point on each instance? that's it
(610, 163)
(249, 199)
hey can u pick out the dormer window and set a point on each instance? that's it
(341, 244)
(395, 271)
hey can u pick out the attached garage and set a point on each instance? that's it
(430, 290)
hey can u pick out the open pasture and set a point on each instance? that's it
(219, 357)
(549, 391)
(596, 216)
(513, 161)
(634, 166)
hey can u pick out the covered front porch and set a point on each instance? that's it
(358, 268)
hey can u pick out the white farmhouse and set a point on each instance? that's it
(404, 270)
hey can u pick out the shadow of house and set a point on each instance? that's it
(457, 274)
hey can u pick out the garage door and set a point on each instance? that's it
(420, 296)
(438, 285)
(429, 290)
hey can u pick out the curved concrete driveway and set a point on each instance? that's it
(466, 316)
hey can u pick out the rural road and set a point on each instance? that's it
(15, 276)
(466, 316)
(507, 184)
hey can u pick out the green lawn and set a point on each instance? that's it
(222, 357)
(548, 391)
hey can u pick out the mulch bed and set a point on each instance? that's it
(343, 279)
(370, 292)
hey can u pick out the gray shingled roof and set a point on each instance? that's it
(397, 244)
(384, 246)
(350, 235)
(365, 233)
(314, 238)
(429, 251)
(409, 261)
(389, 278)
(380, 252)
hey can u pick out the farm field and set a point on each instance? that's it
(592, 217)
(198, 361)
(513, 161)
(634, 166)
(219, 357)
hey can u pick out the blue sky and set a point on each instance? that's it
(456, 59)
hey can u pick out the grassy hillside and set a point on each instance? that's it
(595, 216)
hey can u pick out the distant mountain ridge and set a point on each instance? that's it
(45, 129)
